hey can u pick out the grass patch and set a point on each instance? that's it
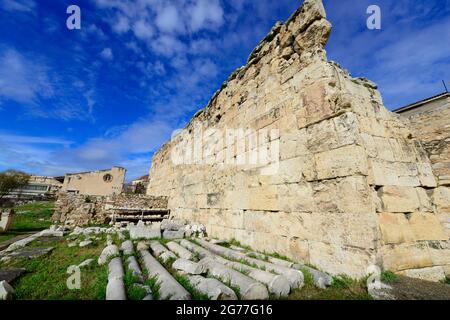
(307, 276)
(134, 292)
(343, 288)
(152, 282)
(33, 216)
(30, 218)
(46, 276)
(388, 277)
(184, 281)
(446, 280)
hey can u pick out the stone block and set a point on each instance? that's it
(395, 228)
(342, 162)
(399, 199)
(441, 199)
(349, 194)
(336, 259)
(434, 274)
(144, 232)
(406, 256)
(426, 226)
(170, 234)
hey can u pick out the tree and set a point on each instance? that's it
(11, 180)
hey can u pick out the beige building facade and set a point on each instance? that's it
(95, 183)
(343, 183)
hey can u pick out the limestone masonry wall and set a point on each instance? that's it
(350, 186)
(431, 125)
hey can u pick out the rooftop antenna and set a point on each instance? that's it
(446, 90)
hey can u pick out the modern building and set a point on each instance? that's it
(39, 186)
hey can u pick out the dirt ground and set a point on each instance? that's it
(404, 288)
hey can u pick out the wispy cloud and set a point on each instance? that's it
(21, 79)
(18, 5)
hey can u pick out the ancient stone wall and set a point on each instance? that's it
(95, 183)
(81, 210)
(430, 123)
(344, 185)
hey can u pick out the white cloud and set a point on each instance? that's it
(13, 138)
(121, 25)
(167, 45)
(205, 14)
(107, 54)
(169, 20)
(18, 5)
(143, 30)
(21, 79)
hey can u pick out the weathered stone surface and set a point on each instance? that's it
(169, 288)
(30, 253)
(133, 265)
(85, 243)
(441, 199)
(179, 250)
(115, 290)
(426, 226)
(6, 291)
(213, 288)
(127, 247)
(321, 279)
(430, 125)
(188, 266)
(169, 234)
(86, 263)
(248, 288)
(9, 275)
(6, 220)
(399, 199)
(406, 256)
(172, 225)
(294, 277)
(335, 171)
(145, 232)
(80, 210)
(108, 252)
(431, 274)
(277, 285)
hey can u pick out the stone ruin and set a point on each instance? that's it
(82, 210)
(6, 220)
(350, 186)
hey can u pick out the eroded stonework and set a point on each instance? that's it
(350, 187)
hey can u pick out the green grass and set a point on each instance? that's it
(133, 292)
(184, 281)
(152, 282)
(447, 280)
(29, 218)
(46, 276)
(343, 288)
(33, 217)
(388, 277)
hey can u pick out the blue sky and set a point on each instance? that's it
(113, 92)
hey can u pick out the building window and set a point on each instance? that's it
(107, 177)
